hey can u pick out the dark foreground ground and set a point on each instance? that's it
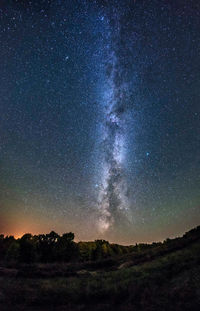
(156, 279)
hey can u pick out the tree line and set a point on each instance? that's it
(52, 247)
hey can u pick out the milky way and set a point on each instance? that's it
(113, 192)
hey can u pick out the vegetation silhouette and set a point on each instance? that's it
(52, 272)
(52, 247)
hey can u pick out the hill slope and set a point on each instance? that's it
(162, 277)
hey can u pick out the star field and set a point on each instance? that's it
(100, 118)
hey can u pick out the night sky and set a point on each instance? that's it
(100, 118)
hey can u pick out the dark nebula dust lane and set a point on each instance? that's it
(100, 118)
(113, 192)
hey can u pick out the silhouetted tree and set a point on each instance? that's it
(27, 251)
(66, 247)
(46, 245)
(13, 252)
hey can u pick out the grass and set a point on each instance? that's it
(169, 282)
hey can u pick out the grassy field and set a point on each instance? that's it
(155, 279)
